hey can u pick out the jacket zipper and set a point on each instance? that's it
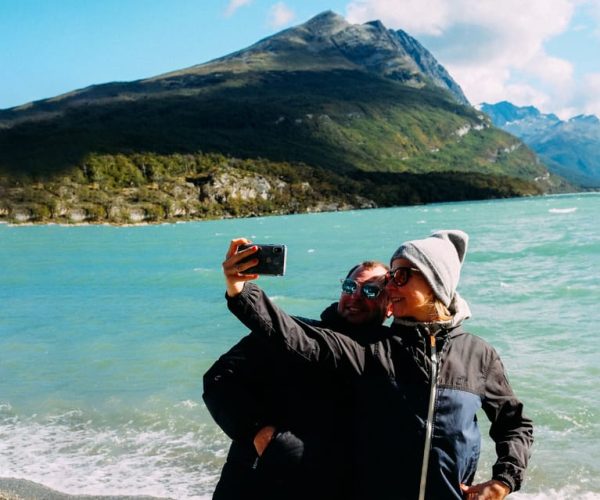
(429, 423)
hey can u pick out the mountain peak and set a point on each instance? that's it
(328, 42)
(328, 39)
(569, 148)
(593, 119)
(505, 112)
(325, 43)
(327, 21)
(378, 25)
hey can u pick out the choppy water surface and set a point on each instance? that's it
(105, 333)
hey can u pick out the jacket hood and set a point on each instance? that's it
(460, 311)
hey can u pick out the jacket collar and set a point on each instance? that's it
(367, 332)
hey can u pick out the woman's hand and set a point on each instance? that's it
(263, 438)
(490, 490)
(232, 267)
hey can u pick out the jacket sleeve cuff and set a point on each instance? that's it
(507, 480)
(244, 292)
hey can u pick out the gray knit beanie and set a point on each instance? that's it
(439, 258)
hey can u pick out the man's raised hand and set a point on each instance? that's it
(233, 267)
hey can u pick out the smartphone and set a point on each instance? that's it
(271, 259)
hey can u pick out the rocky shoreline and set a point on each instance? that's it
(138, 189)
(226, 194)
(22, 489)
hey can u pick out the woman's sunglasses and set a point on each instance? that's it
(401, 275)
(367, 290)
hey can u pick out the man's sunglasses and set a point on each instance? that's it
(368, 291)
(401, 275)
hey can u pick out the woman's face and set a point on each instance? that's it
(413, 299)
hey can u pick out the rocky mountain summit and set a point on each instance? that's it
(325, 42)
(570, 148)
(370, 46)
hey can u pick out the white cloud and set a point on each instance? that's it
(590, 94)
(594, 10)
(493, 49)
(428, 17)
(234, 5)
(280, 15)
(554, 72)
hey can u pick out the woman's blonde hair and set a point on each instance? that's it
(437, 310)
(441, 311)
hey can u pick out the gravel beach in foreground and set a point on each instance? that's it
(21, 489)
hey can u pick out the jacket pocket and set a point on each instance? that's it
(283, 456)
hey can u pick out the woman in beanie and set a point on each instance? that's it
(418, 389)
(425, 275)
(459, 372)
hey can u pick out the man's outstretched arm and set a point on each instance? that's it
(330, 350)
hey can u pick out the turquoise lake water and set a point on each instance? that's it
(105, 334)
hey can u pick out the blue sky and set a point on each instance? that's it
(539, 52)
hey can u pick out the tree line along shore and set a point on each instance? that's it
(152, 188)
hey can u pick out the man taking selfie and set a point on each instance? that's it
(290, 427)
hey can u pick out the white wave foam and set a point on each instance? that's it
(562, 210)
(566, 493)
(5, 407)
(203, 270)
(187, 404)
(70, 454)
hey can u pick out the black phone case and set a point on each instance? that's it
(272, 259)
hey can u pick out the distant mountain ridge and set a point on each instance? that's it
(334, 114)
(570, 148)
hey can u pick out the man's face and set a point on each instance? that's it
(357, 309)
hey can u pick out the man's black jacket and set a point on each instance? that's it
(253, 385)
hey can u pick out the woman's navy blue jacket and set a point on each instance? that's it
(393, 382)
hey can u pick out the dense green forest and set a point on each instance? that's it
(149, 187)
